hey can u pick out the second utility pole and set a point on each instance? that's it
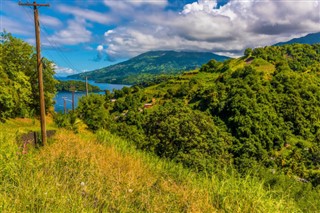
(39, 68)
(86, 85)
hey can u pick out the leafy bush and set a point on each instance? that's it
(68, 121)
(92, 111)
(177, 132)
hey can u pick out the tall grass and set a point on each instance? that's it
(103, 173)
(226, 192)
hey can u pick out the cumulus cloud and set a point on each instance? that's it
(75, 33)
(100, 48)
(100, 52)
(205, 26)
(63, 71)
(77, 29)
(8, 19)
(87, 14)
(201, 5)
(126, 10)
(50, 21)
(127, 4)
(14, 27)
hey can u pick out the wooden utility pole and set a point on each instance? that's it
(86, 85)
(72, 88)
(39, 67)
(65, 105)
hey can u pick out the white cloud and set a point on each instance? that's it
(201, 5)
(99, 48)
(109, 32)
(202, 26)
(63, 71)
(8, 19)
(15, 27)
(100, 52)
(87, 14)
(126, 10)
(126, 4)
(50, 21)
(160, 3)
(75, 33)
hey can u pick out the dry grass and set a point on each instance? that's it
(102, 173)
(109, 179)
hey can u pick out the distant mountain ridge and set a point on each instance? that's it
(312, 38)
(148, 65)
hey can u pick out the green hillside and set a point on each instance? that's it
(259, 114)
(146, 66)
(312, 38)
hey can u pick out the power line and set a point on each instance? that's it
(54, 45)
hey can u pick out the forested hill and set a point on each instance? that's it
(259, 113)
(312, 38)
(147, 65)
(78, 86)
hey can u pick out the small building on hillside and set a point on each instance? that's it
(148, 105)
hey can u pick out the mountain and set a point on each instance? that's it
(147, 65)
(308, 39)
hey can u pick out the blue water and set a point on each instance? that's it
(59, 105)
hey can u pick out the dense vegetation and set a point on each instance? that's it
(148, 66)
(78, 86)
(19, 94)
(257, 113)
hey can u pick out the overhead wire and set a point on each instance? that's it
(53, 45)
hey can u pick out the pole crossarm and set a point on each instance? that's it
(34, 4)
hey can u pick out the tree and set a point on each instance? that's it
(177, 132)
(91, 110)
(18, 79)
(15, 93)
(248, 52)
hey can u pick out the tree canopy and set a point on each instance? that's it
(19, 96)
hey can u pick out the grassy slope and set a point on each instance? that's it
(206, 80)
(87, 172)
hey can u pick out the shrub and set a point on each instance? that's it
(188, 136)
(91, 110)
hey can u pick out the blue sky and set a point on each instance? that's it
(81, 35)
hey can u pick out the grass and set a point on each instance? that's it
(103, 173)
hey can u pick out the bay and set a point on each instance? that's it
(59, 102)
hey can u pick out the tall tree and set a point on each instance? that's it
(18, 79)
